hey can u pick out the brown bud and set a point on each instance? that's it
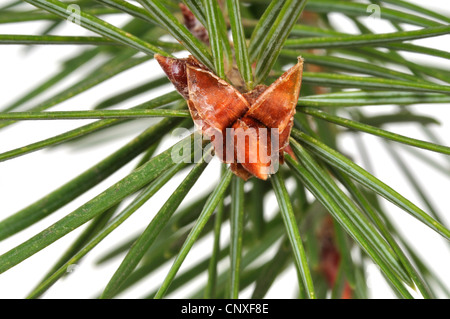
(217, 107)
(175, 70)
(191, 22)
(252, 143)
(275, 107)
(217, 102)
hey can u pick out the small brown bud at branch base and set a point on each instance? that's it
(263, 116)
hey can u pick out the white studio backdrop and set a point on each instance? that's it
(30, 177)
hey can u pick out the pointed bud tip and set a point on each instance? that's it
(160, 58)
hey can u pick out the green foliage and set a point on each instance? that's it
(344, 75)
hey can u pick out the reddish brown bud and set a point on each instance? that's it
(217, 107)
(253, 95)
(252, 142)
(217, 102)
(191, 22)
(276, 105)
(330, 256)
(175, 70)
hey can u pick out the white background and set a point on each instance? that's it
(28, 178)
